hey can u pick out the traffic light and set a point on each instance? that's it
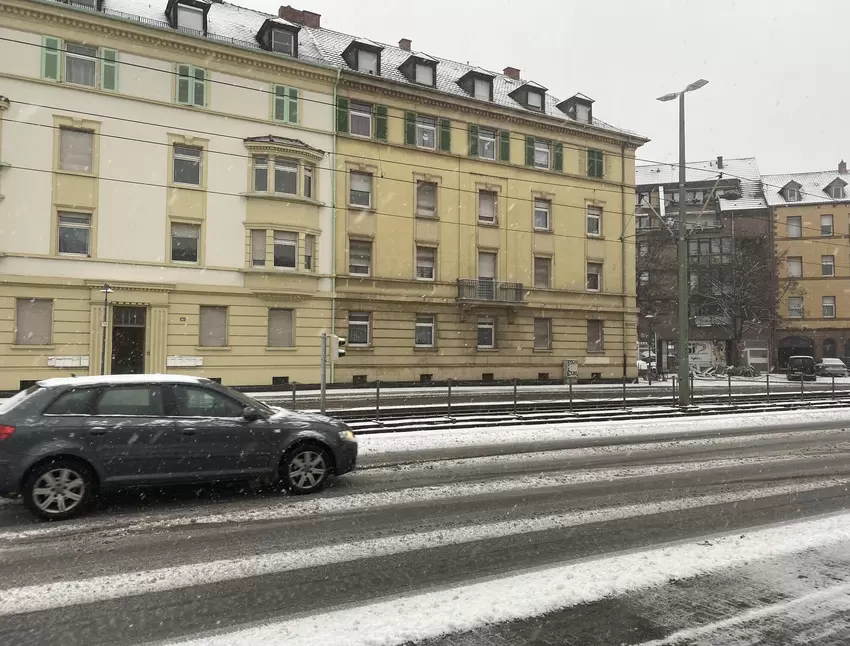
(338, 346)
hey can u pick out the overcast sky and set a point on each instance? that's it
(776, 68)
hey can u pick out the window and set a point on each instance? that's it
(828, 307)
(191, 85)
(213, 326)
(360, 193)
(309, 251)
(795, 307)
(135, 401)
(643, 278)
(594, 221)
(190, 18)
(826, 225)
(827, 266)
(426, 199)
(285, 249)
(481, 89)
(74, 234)
(191, 401)
(424, 333)
(486, 333)
(281, 329)
(285, 103)
(542, 209)
(367, 62)
(286, 176)
(73, 402)
(487, 206)
(642, 249)
(261, 173)
(541, 153)
(33, 321)
(360, 257)
(595, 340)
(81, 64)
(542, 334)
(426, 262)
(487, 270)
(486, 143)
(359, 324)
(792, 194)
(794, 226)
(76, 150)
(594, 276)
(258, 248)
(184, 242)
(283, 42)
(535, 100)
(308, 180)
(836, 192)
(595, 163)
(424, 74)
(361, 119)
(426, 132)
(795, 266)
(642, 222)
(542, 271)
(187, 165)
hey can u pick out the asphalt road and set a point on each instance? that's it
(246, 558)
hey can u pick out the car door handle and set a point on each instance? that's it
(97, 431)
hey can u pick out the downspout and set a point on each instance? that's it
(333, 216)
(623, 248)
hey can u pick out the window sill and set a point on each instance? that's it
(425, 280)
(487, 349)
(283, 197)
(595, 236)
(543, 351)
(275, 348)
(213, 348)
(190, 187)
(425, 216)
(73, 256)
(536, 230)
(364, 209)
(360, 348)
(185, 263)
(596, 352)
(31, 346)
(483, 223)
(425, 348)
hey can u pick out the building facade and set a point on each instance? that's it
(730, 262)
(201, 188)
(811, 216)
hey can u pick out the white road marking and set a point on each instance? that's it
(533, 593)
(69, 593)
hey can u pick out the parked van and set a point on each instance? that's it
(801, 367)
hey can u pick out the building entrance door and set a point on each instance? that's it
(128, 340)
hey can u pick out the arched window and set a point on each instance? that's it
(830, 348)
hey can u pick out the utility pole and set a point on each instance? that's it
(684, 279)
(324, 371)
(104, 324)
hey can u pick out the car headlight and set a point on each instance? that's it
(347, 435)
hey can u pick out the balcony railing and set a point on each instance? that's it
(485, 289)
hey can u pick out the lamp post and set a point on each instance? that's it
(651, 345)
(684, 370)
(107, 290)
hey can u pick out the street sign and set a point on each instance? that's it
(570, 369)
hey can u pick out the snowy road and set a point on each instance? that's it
(677, 533)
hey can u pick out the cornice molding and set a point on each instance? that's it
(273, 148)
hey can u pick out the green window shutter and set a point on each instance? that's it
(292, 105)
(559, 157)
(109, 69)
(473, 140)
(199, 96)
(505, 146)
(341, 114)
(51, 54)
(381, 122)
(595, 163)
(445, 135)
(529, 151)
(184, 89)
(410, 128)
(279, 105)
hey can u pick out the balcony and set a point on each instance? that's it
(489, 291)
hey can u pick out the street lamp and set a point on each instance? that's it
(651, 345)
(107, 290)
(684, 381)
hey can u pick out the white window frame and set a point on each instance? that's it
(258, 247)
(351, 190)
(360, 319)
(594, 214)
(794, 262)
(426, 126)
(422, 70)
(836, 192)
(307, 185)
(288, 46)
(548, 261)
(364, 65)
(540, 321)
(495, 197)
(794, 230)
(69, 160)
(828, 307)
(364, 244)
(543, 208)
(425, 321)
(487, 136)
(73, 225)
(827, 261)
(827, 221)
(171, 237)
(287, 343)
(542, 153)
(531, 97)
(287, 168)
(260, 164)
(485, 323)
(284, 240)
(78, 54)
(186, 10)
(424, 210)
(482, 89)
(792, 195)
(362, 114)
(421, 270)
(310, 252)
(180, 153)
(594, 269)
(795, 307)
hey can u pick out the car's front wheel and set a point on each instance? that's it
(305, 469)
(59, 489)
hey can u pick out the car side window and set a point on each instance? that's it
(201, 402)
(72, 402)
(131, 400)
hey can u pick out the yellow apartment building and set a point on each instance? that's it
(811, 216)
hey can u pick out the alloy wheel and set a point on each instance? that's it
(59, 491)
(307, 469)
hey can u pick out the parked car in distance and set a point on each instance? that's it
(801, 367)
(831, 368)
(63, 439)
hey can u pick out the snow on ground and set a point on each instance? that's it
(533, 593)
(77, 592)
(505, 435)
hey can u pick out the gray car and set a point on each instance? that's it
(831, 368)
(62, 440)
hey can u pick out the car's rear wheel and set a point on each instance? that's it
(59, 489)
(305, 469)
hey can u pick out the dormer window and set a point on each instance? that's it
(535, 100)
(530, 95)
(420, 69)
(279, 36)
(367, 62)
(836, 189)
(792, 194)
(478, 84)
(578, 107)
(190, 18)
(283, 42)
(363, 56)
(483, 89)
(424, 74)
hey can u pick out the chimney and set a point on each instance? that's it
(720, 162)
(842, 167)
(405, 44)
(306, 18)
(512, 73)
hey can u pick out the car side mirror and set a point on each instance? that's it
(251, 414)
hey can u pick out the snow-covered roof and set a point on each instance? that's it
(812, 187)
(744, 171)
(96, 380)
(231, 24)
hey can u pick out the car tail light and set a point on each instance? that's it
(6, 431)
